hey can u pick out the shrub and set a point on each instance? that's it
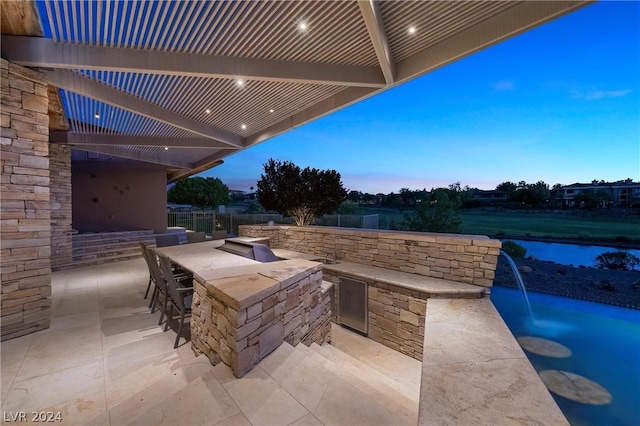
(439, 213)
(617, 261)
(514, 249)
(347, 207)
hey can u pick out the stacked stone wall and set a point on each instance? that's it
(395, 315)
(468, 259)
(61, 238)
(242, 336)
(25, 210)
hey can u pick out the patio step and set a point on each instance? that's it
(406, 395)
(81, 240)
(375, 385)
(107, 247)
(405, 371)
(312, 374)
(96, 261)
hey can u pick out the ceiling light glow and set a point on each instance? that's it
(244, 127)
(240, 82)
(97, 115)
(302, 26)
(208, 111)
(412, 30)
(166, 148)
(271, 110)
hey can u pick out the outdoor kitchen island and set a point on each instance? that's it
(243, 309)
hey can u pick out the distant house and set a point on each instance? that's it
(179, 207)
(492, 196)
(624, 193)
(237, 195)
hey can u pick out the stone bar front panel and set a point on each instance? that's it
(240, 333)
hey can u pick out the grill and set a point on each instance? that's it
(254, 251)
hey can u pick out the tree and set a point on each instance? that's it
(508, 187)
(300, 194)
(199, 192)
(254, 207)
(348, 207)
(408, 198)
(355, 196)
(237, 197)
(534, 193)
(369, 198)
(437, 213)
(592, 199)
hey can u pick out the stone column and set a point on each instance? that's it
(60, 169)
(25, 210)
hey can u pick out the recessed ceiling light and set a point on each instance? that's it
(208, 111)
(412, 30)
(240, 82)
(97, 115)
(271, 110)
(243, 127)
(302, 25)
(166, 148)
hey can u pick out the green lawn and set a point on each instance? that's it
(539, 224)
(560, 225)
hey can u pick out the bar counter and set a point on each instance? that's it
(242, 309)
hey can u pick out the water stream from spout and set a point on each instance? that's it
(520, 282)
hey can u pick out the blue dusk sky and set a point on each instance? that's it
(559, 103)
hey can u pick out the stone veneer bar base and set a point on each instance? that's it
(285, 307)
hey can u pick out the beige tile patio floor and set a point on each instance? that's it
(105, 361)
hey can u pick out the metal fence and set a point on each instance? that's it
(231, 221)
(195, 221)
(349, 221)
(207, 222)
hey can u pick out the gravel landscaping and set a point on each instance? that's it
(620, 288)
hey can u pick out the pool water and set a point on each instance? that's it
(569, 254)
(605, 348)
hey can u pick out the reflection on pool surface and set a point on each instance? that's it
(604, 345)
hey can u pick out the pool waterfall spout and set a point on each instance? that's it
(520, 282)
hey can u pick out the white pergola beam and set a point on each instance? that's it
(74, 82)
(340, 100)
(180, 174)
(213, 158)
(378, 34)
(46, 53)
(138, 156)
(83, 139)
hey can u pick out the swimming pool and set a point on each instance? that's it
(605, 348)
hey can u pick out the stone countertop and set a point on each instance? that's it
(431, 286)
(474, 371)
(248, 286)
(290, 254)
(239, 281)
(203, 258)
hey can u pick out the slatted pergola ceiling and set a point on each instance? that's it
(184, 84)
